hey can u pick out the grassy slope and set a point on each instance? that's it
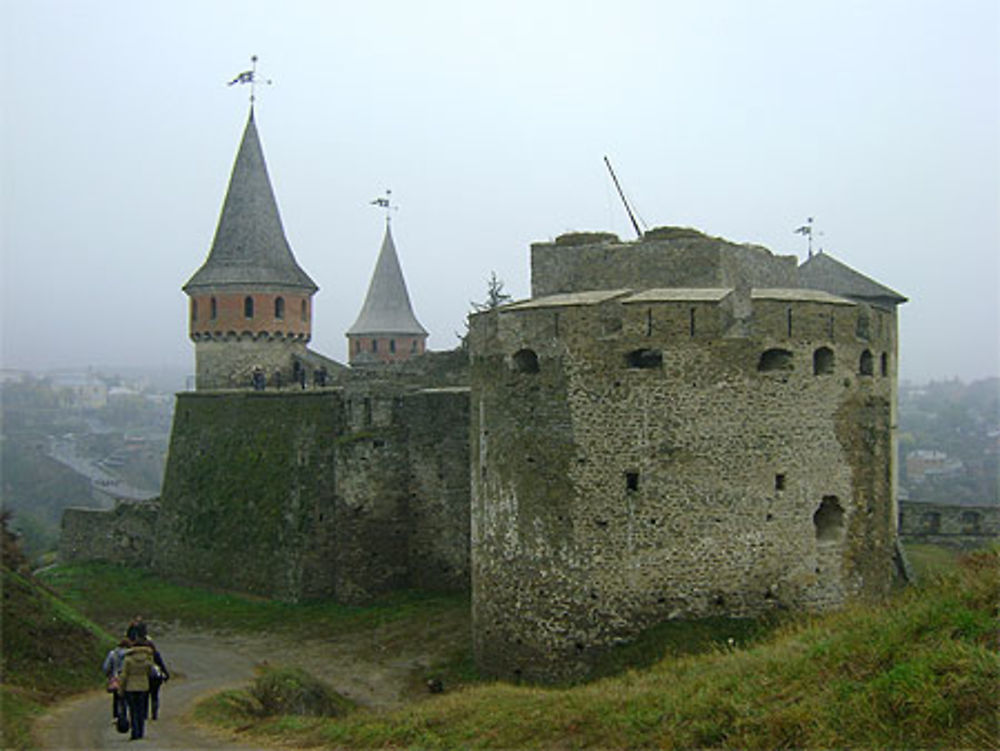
(920, 672)
(49, 652)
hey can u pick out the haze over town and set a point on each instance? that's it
(489, 122)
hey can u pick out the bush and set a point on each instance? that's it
(284, 691)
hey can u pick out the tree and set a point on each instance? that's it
(495, 296)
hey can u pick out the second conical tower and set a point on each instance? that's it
(386, 329)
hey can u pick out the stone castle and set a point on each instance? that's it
(673, 427)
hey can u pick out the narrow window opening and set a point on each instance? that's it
(930, 522)
(214, 308)
(357, 346)
(555, 323)
(524, 361)
(823, 361)
(865, 365)
(789, 314)
(374, 345)
(830, 326)
(775, 359)
(691, 321)
(884, 365)
(305, 311)
(248, 307)
(829, 519)
(779, 482)
(194, 309)
(392, 345)
(368, 411)
(970, 522)
(644, 358)
(413, 346)
(649, 322)
(632, 481)
(279, 308)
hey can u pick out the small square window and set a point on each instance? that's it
(631, 481)
(779, 482)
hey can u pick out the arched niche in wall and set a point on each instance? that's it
(829, 519)
(775, 359)
(524, 361)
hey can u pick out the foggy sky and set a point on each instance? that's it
(489, 121)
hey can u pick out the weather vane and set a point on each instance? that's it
(387, 204)
(250, 77)
(807, 230)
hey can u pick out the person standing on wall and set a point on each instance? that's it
(135, 683)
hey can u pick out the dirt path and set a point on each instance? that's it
(376, 669)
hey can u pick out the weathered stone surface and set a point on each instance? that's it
(965, 527)
(634, 459)
(122, 535)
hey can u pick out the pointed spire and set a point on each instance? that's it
(250, 245)
(387, 308)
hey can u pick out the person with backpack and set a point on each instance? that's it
(112, 667)
(158, 675)
(135, 683)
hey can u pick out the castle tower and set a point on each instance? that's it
(251, 303)
(386, 329)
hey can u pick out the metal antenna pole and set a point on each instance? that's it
(621, 193)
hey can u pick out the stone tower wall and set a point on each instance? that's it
(228, 362)
(611, 491)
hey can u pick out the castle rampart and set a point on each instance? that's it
(122, 535)
(964, 527)
(341, 492)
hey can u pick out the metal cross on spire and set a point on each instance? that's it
(387, 204)
(250, 77)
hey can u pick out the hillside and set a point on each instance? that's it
(918, 672)
(49, 650)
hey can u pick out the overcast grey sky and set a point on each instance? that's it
(489, 121)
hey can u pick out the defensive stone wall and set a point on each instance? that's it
(672, 453)
(965, 527)
(342, 492)
(121, 535)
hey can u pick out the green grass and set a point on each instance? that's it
(929, 561)
(918, 672)
(50, 651)
(111, 595)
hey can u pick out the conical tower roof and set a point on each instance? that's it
(387, 308)
(250, 248)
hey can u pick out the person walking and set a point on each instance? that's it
(135, 683)
(158, 675)
(136, 629)
(112, 667)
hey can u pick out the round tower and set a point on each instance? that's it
(386, 329)
(250, 311)
(686, 449)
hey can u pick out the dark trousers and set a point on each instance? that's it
(154, 697)
(117, 704)
(137, 711)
